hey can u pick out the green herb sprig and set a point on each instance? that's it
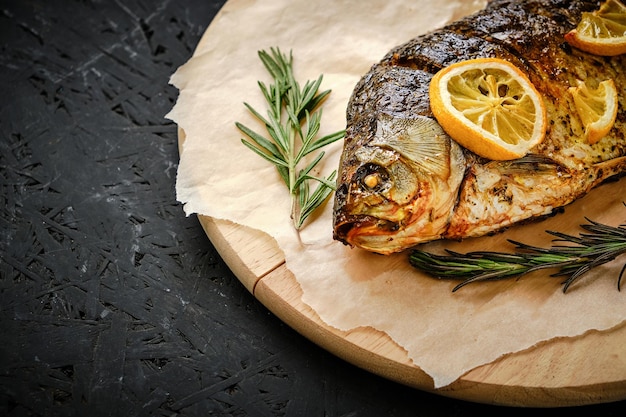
(581, 254)
(292, 122)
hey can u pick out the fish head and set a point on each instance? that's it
(399, 189)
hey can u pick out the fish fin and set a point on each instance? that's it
(542, 164)
(532, 162)
(607, 169)
(420, 140)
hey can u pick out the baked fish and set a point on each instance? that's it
(403, 181)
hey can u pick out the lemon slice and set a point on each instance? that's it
(596, 107)
(602, 32)
(488, 106)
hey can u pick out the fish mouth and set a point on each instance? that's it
(369, 233)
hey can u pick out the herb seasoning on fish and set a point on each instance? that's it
(403, 181)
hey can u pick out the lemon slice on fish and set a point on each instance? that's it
(490, 107)
(602, 32)
(596, 107)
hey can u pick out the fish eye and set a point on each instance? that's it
(372, 176)
(371, 180)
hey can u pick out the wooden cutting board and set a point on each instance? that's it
(561, 372)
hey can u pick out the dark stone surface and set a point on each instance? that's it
(112, 302)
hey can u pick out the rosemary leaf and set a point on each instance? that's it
(320, 194)
(263, 143)
(572, 260)
(292, 124)
(304, 174)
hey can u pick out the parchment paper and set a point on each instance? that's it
(446, 334)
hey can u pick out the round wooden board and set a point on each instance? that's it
(561, 372)
(557, 373)
(589, 369)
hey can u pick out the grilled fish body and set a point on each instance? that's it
(402, 181)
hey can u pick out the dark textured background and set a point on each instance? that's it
(112, 302)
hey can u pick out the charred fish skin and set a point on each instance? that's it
(473, 196)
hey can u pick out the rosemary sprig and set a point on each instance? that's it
(602, 244)
(292, 122)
